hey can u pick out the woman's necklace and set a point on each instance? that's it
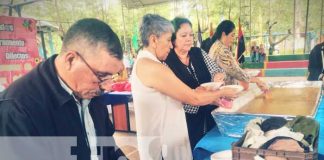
(184, 60)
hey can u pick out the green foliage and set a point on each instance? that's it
(110, 11)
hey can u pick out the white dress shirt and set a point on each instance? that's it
(88, 122)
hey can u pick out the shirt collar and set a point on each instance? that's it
(67, 89)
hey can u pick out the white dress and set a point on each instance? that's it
(160, 121)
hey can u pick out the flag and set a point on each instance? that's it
(135, 38)
(211, 30)
(199, 37)
(240, 45)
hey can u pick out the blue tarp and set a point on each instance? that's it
(214, 141)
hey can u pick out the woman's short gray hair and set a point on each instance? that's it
(154, 24)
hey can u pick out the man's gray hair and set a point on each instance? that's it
(153, 24)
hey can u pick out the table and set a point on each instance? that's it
(120, 109)
(213, 141)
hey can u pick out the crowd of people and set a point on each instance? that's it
(257, 53)
(58, 97)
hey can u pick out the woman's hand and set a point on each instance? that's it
(200, 89)
(230, 93)
(262, 85)
(245, 85)
(226, 99)
(219, 77)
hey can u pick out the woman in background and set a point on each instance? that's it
(220, 52)
(262, 54)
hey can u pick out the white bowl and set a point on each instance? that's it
(212, 85)
(252, 72)
(238, 88)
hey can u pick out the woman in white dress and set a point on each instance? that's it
(158, 96)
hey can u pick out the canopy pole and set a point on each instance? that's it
(294, 25)
(307, 10)
(250, 23)
(207, 11)
(58, 16)
(124, 29)
(321, 28)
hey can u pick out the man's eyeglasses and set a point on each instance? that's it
(102, 77)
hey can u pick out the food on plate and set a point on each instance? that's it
(225, 103)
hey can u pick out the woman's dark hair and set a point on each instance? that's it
(177, 22)
(226, 26)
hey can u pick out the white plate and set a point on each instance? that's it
(212, 85)
(239, 88)
(252, 73)
(222, 155)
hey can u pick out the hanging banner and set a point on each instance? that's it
(18, 47)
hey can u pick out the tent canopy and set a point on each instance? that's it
(46, 26)
(130, 4)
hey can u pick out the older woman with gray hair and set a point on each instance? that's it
(158, 96)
